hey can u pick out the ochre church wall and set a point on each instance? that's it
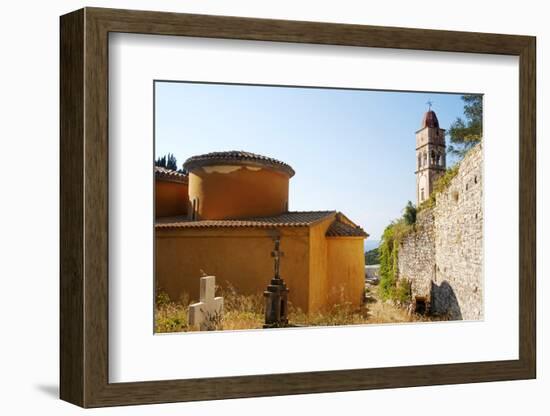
(318, 284)
(170, 198)
(346, 270)
(232, 192)
(239, 256)
(319, 271)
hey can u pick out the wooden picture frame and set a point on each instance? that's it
(84, 207)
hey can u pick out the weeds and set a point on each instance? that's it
(247, 312)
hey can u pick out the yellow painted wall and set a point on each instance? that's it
(345, 270)
(238, 255)
(171, 198)
(231, 192)
(319, 271)
(318, 263)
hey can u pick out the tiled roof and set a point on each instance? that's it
(238, 157)
(170, 175)
(343, 227)
(429, 120)
(288, 219)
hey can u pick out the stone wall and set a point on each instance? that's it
(416, 254)
(443, 257)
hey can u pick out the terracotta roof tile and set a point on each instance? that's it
(288, 219)
(238, 157)
(170, 175)
(343, 227)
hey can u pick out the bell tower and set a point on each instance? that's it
(430, 155)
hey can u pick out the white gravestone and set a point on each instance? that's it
(206, 313)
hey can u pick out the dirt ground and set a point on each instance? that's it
(381, 312)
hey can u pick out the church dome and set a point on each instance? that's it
(237, 184)
(237, 157)
(430, 120)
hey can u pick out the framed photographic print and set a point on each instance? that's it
(255, 207)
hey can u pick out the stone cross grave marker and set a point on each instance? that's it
(276, 294)
(206, 313)
(277, 254)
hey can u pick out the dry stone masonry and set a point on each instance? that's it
(443, 258)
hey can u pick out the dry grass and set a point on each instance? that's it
(171, 316)
(387, 313)
(246, 312)
(239, 312)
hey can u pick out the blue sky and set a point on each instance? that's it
(353, 150)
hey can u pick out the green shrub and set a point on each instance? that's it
(372, 257)
(440, 185)
(444, 181)
(389, 248)
(402, 292)
(162, 298)
(409, 214)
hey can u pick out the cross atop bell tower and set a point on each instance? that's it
(430, 155)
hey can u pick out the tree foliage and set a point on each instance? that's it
(390, 286)
(169, 161)
(372, 257)
(409, 214)
(388, 261)
(466, 133)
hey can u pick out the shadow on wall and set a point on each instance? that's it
(444, 301)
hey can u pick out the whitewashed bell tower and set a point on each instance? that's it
(430, 155)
